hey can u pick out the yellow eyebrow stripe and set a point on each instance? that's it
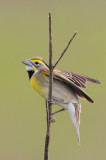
(39, 61)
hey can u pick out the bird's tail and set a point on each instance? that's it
(74, 110)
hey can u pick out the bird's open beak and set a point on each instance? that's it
(27, 62)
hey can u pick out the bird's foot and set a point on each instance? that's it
(52, 119)
(51, 101)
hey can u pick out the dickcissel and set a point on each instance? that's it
(66, 87)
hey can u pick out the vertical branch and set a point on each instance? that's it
(48, 101)
(50, 66)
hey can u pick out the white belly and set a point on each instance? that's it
(62, 94)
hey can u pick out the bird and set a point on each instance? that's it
(67, 87)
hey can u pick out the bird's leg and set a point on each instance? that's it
(52, 118)
(52, 101)
(58, 111)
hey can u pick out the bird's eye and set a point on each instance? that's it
(36, 63)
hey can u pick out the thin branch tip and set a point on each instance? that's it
(64, 51)
(49, 13)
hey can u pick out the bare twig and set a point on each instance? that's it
(49, 100)
(65, 50)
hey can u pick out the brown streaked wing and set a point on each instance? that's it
(61, 75)
(75, 88)
(79, 79)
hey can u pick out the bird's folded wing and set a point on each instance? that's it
(79, 79)
(73, 86)
(74, 80)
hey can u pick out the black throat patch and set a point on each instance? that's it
(30, 73)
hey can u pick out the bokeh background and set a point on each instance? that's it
(24, 34)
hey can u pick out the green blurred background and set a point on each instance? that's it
(24, 34)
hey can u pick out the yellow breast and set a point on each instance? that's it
(38, 86)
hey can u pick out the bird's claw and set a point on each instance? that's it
(51, 101)
(52, 119)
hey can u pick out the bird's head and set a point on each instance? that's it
(34, 65)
